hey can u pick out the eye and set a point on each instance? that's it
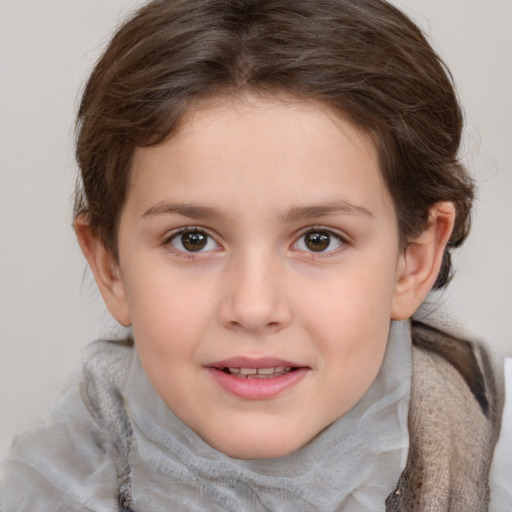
(318, 240)
(192, 240)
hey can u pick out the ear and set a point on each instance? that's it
(105, 269)
(419, 265)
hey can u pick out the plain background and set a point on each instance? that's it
(49, 309)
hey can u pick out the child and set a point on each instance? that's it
(269, 191)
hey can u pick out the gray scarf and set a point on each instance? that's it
(119, 442)
(353, 465)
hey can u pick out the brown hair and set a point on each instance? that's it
(362, 58)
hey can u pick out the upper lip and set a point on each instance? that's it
(254, 362)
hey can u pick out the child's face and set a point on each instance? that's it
(260, 238)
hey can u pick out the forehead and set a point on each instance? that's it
(233, 150)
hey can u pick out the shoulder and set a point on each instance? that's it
(64, 464)
(454, 422)
(463, 366)
(501, 469)
(457, 397)
(477, 388)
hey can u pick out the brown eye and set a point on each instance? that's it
(318, 241)
(193, 241)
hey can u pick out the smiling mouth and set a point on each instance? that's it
(259, 373)
(257, 378)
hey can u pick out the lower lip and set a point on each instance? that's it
(257, 389)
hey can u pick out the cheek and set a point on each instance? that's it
(350, 323)
(358, 299)
(170, 318)
(169, 310)
(351, 330)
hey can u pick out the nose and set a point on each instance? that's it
(254, 295)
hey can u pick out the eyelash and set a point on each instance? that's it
(187, 230)
(324, 230)
(310, 230)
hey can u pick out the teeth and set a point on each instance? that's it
(259, 373)
(248, 371)
(266, 371)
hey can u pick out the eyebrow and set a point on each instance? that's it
(323, 210)
(185, 209)
(294, 213)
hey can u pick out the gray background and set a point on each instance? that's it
(49, 309)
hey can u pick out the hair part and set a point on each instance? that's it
(363, 59)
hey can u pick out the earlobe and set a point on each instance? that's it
(105, 268)
(419, 265)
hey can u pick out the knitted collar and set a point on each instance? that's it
(352, 465)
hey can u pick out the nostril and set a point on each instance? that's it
(254, 316)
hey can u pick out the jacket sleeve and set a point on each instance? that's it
(60, 466)
(500, 478)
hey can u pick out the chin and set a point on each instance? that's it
(257, 451)
(262, 445)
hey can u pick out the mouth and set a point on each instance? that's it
(259, 373)
(256, 379)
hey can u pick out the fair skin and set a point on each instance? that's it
(262, 238)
